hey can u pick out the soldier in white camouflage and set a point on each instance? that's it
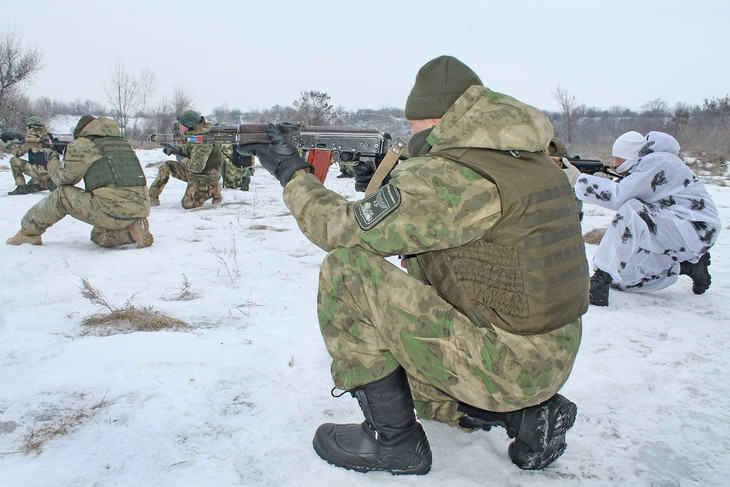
(484, 328)
(200, 167)
(114, 199)
(35, 164)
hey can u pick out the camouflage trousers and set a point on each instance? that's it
(200, 187)
(38, 174)
(374, 316)
(236, 177)
(107, 231)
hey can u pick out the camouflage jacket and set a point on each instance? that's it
(205, 160)
(431, 203)
(442, 204)
(80, 155)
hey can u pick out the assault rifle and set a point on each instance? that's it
(57, 143)
(588, 166)
(8, 136)
(322, 146)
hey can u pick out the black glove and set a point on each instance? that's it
(278, 157)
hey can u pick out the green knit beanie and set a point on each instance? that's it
(83, 122)
(439, 83)
(189, 118)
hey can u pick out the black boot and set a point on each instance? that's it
(390, 438)
(539, 431)
(600, 285)
(699, 273)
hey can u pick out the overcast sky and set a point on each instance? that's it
(365, 54)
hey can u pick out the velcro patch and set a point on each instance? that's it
(374, 208)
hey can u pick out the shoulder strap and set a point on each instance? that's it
(386, 165)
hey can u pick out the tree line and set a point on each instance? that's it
(588, 131)
(702, 130)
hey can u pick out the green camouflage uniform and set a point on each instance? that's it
(39, 176)
(374, 316)
(233, 176)
(110, 209)
(201, 170)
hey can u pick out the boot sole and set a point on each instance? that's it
(563, 420)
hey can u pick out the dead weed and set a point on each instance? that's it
(36, 439)
(128, 319)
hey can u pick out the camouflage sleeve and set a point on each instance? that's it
(80, 154)
(18, 150)
(199, 154)
(426, 207)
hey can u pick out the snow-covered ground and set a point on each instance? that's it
(236, 398)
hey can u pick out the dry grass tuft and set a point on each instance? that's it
(185, 293)
(131, 319)
(266, 227)
(128, 319)
(36, 439)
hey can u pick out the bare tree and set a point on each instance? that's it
(17, 65)
(181, 100)
(679, 121)
(162, 119)
(655, 108)
(146, 84)
(122, 93)
(168, 109)
(568, 107)
(314, 108)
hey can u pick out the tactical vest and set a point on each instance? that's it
(118, 166)
(528, 273)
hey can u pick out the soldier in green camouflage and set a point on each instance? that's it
(114, 200)
(35, 165)
(234, 177)
(484, 328)
(200, 167)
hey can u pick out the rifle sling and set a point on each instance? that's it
(386, 165)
